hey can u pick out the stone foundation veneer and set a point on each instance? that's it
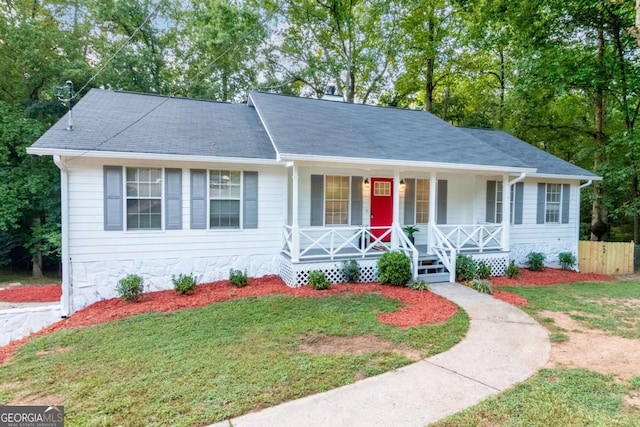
(16, 323)
(551, 250)
(96, 280)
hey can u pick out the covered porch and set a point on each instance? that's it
(332, 217)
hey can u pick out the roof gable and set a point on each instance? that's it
(308, 127)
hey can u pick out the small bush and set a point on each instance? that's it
(465, 268)
(483, 271)
(567, 260)
(418, 285)
(318, 280)
(351, 270)
(513, 271)
(184, 284)
(130, 288)
(238, 278)
(482, 286)
(394, 268)
(535, 261)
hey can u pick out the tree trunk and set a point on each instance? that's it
(636, 216)
(599, 215)
(502, 90)
(36, 270)
(429, 87)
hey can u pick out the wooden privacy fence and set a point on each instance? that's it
(605, 257)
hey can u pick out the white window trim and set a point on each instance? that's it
(241, 216)
(512, 204)
(324, 217)
(546, 193)
(163, 216)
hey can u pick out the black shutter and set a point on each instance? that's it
(113, 198)
(519, 201)
(442, 202)
(356, 200)
(173, 198)
(198, 198)
(410, 201)
(566, 197)
(491, 201)
(317, 200)
(250, 200)
(542, 198)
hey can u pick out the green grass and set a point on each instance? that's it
(613, 307)
(24, 277)
(204, 365)
(553, 397)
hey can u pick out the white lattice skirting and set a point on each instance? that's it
(296, 275)
(497, 261)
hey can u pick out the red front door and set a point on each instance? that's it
(381, 206)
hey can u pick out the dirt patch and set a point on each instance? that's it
(38, 400)
(548, 277)
(57, 350)
(631, 403)
(419, 307)
(362, 344)
(592, 349)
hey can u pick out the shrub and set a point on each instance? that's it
(465, 268)
(318, 280)
(513, 271)
(394, 268)
(130, 288)
(184, 284)
(567, 260)
(238, 278)
(351, 270)
(482, 286)
(535, 261)
(418, 285)
(483, 271)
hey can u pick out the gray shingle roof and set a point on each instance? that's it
(544, 162)
(129, 122)
(302, 126)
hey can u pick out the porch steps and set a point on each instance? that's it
(431, 269)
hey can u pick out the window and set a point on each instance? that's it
(553, 203)
(224, 198)
(336, 205)
(422, 201)
(144, 198)
(382, 188)
(499, 201)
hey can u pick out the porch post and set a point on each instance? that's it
(433, 181)
(395, 241)
(506, 211)
(295, 229)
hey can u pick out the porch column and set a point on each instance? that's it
(433, 182)
(395, 241)
(295, 229)
(506, 211)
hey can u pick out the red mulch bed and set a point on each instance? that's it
(420, 307)
(49, 293)
(510, 298)
(548, 277)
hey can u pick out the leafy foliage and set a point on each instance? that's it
(482, 286)
(465, 268)
(567, 260)
(130, 288)
(512, 271)
(238, 278)
(184, 284)
(394, 268)
(535, 261)
(318, 281)
(351, 270)
(483, 271)
(418, 285)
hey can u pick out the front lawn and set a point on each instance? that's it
(570, 396)
(197, 366)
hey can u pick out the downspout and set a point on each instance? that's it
(580, 187)
(65, 301)
(518, 179)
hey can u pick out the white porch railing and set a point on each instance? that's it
(443, 248)
(324, 243)
(476, 238)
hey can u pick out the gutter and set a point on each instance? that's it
(586, 184)
(65, 301)
(518, 179)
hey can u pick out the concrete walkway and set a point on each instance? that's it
(504, 346)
